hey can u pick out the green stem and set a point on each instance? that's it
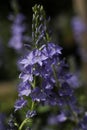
(24, 122)
(32, 105)
(74, 115)
(55, 76)
(34, 83)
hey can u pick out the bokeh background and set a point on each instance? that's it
(68, 27)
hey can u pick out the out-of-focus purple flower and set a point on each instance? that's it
(73, 81)
(78, 27)
(65, 90)
(56, 119)
(66, 96)
(61, 118)
(20, 103)
(19, 18)
(52, 120)
(17, 30)
(16, 42)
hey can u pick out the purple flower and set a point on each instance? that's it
(78, 27)
(38, 95)
(20, 103)
(27, 74)
(51, 49)
(16, 42)
(61, 117)
(19, 18)
(55, 119)
(73, 81)
(35, 56)
(65, 90)
(24, 88)
(26, 77)
(44, 76)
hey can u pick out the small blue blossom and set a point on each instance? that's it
(20, 103)
(27, 74)
(35, 56)
(61, 117)
(65, 90)
(26, 77)
(73, 81)
(51, 49)
(38, 95)
(56, 119)
(24, 88)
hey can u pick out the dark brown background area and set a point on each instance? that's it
(52, 7)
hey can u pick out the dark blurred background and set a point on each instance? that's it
(68, 28)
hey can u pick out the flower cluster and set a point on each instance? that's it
(45, 77)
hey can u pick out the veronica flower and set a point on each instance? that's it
(35, 56)
(24, 89)
(44, 75)
(73, 81)
(26, 77)
(51, 49)
(38, 95)
(20, 103)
